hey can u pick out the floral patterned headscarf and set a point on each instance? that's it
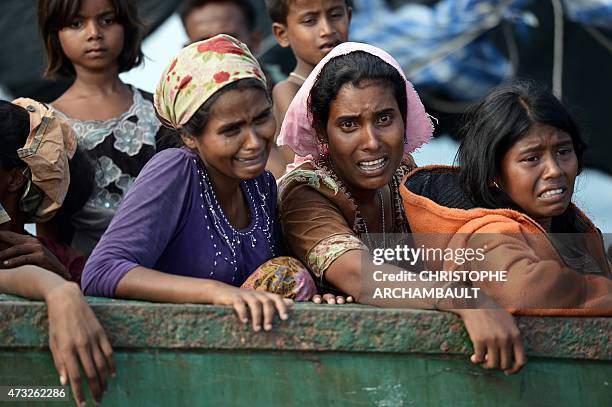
(197, 72)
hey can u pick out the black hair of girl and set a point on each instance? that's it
(494, 125)
(53, 15)
(197, 122)
(353, 69)
(14, 131)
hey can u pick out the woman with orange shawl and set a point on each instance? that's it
(511, 196)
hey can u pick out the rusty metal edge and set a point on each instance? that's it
(134, 325)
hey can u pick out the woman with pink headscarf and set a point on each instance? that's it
(354, 123)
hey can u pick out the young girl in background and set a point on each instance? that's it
(93, 41)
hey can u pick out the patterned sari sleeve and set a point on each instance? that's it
(315, 229)
(323, 254)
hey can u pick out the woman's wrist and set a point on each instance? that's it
(216, 292)
(480, 301)
(205, 291)
(59, 289)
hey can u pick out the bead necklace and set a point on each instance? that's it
(297, 76)
(231, 238)
(382, 211)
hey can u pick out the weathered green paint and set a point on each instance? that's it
(243, 378)
(340, 355)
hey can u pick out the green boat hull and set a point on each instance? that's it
(324, 355)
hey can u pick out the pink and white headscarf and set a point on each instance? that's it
(298, 132)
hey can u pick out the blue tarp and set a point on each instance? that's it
(590, 12)
(448, 47)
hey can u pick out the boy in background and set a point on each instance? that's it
(204, 19)
(311, 28)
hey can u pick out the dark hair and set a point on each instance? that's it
(496, 124)
(278, 9)
(352, 68)
(246, 7)
(197, 122)
(14, 130)
(53, 15)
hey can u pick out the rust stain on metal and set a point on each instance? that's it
(354, 328)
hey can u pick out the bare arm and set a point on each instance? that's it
(282, 95)
(151, 285)
(495, 336)
(30, 282)
(277, 162)
(143, 283)
(76, 338)
(352, 273)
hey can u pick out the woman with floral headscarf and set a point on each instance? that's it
(356, 119)
(200, 223)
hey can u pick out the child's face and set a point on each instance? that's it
(315, 27)
(219, 18)
(94, 39)
(539, 171)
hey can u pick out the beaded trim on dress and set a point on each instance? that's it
(226, 233)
